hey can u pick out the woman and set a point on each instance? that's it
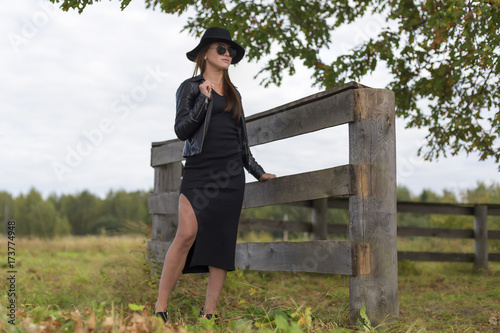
(210, 119)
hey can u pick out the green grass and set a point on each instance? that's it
(104, 284)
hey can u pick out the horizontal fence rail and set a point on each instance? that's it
(257, 224)
(402, 207)
(333, 257)
(311, 185)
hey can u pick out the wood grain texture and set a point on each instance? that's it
(314, 184)
(169, 152)
(309, 185)
(163, 203)
(308, 99)
(167, 177)
(164, 226)
(165, 217)
(301, 117)
(332, 257)
(274, 225)
(372, 209)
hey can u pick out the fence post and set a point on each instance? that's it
(319, 216)
(167, 179)
(481, 238)
(372, 209)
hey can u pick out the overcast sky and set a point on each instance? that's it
(83, 96)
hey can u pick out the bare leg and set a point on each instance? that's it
(175, 258)
(216, 278)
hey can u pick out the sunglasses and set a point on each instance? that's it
(221, 49)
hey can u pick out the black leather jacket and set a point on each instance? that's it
(192, 118)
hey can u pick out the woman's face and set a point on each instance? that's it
(216, 60)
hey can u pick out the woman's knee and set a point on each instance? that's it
(185, 238)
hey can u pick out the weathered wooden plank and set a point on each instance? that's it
(247, 223)
(419, 207)
(493, 234)
(494, 257)
(161, 143)
(164, 226)
(481, 238)
(372, 209)
(156, 251)
(314, 184)
(319, 218)
(434, 208)
(309, 185)
(440, 256)
(493, 210)
(167, 177)
(435, 232)
(170, 152)
(307, 100)
(338, 228)
(332, 257)
(343, 229)
(274, 225)
(163, 203)
(436, 256)
(301, 117)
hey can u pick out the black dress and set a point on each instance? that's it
(214, 183)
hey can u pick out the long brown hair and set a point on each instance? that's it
(233, 100)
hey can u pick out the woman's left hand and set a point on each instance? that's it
(266, 176)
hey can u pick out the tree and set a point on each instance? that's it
(82, 211)
(444, 54)
(36, 217)
(6, 207)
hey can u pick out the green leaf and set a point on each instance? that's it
(135, 307)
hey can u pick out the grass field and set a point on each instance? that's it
(103, 284)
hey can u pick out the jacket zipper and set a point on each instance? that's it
(203, 138)
(204, 125)
(199, 112)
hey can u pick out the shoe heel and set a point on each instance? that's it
(162, 315)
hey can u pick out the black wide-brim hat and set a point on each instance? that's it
(213, 35)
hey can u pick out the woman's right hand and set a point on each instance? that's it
(206, 88)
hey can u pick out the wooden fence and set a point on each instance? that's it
(369, 257)
(480, 233)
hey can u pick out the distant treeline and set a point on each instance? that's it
(76, 214)
(126, 212)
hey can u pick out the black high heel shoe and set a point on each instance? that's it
(162, 315)
(210, 316)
